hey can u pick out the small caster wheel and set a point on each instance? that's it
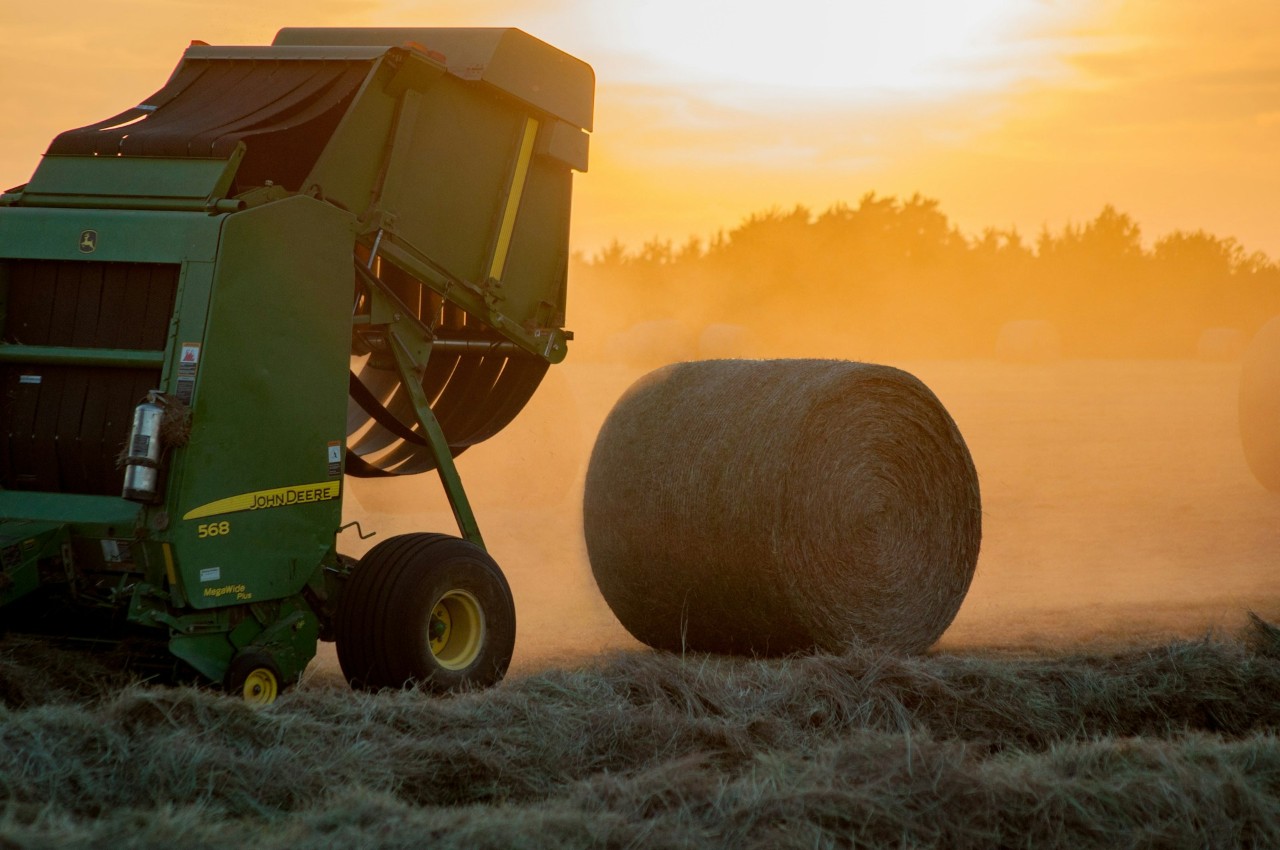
(254, 677)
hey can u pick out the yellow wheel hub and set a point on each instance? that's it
(456, 630)
(260, 687)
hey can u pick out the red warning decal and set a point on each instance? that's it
(188, 362)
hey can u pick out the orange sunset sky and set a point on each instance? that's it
(1016, 113)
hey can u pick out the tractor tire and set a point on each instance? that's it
(426, 610)
(253, 677)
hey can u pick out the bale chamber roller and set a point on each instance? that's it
(344, 253)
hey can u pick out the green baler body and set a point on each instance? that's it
(125, 268)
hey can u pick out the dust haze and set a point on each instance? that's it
(1098, 397)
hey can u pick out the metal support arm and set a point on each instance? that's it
(411, 376)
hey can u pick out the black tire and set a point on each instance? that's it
(428, 610)
(254, 677)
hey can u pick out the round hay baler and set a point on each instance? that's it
(345, 254)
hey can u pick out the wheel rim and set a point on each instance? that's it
(456, 630)
(260, 687)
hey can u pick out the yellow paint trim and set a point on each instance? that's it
(168, 565)
(508, 227)
(321, 491)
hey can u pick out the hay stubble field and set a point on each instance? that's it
(1102, 684)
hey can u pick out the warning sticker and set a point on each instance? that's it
(189, 360)
(28, 379)
(335, 459)
(188, 363)
(211, 574)
(116, 551)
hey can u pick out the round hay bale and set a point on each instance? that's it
(652, 343)
(1260, 405)
(721, 341)
(1028, 341)
(776, 506)
(1221, 345)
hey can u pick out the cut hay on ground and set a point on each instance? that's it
(1169, 746)
(770, 507)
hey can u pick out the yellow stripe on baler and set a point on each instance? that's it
(321, 491)
(508, 227)
(168, 565)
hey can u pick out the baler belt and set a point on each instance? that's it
(478, 395)
(369, 403)
(519, 380)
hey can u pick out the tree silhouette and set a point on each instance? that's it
(896, 278)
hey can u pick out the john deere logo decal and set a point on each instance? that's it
(88, 241)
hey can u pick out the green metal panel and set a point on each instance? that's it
(41, 523)
(126, 357)
(451, 214)
(286, 630)
(105, 511)
(347, 170)
(274, 53)
(254, 498)
(23, 544)
(210, 653)
(505, 58)
(146, 182)
(119, 235)
(538, 265)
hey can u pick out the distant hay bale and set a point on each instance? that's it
(1260, 405)
(721, 341)
(652, 343)
(1028, 341)
(1221, 345)
(775, 506)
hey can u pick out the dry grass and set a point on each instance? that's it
(1171, 746)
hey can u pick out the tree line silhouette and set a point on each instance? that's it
(897, 278)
